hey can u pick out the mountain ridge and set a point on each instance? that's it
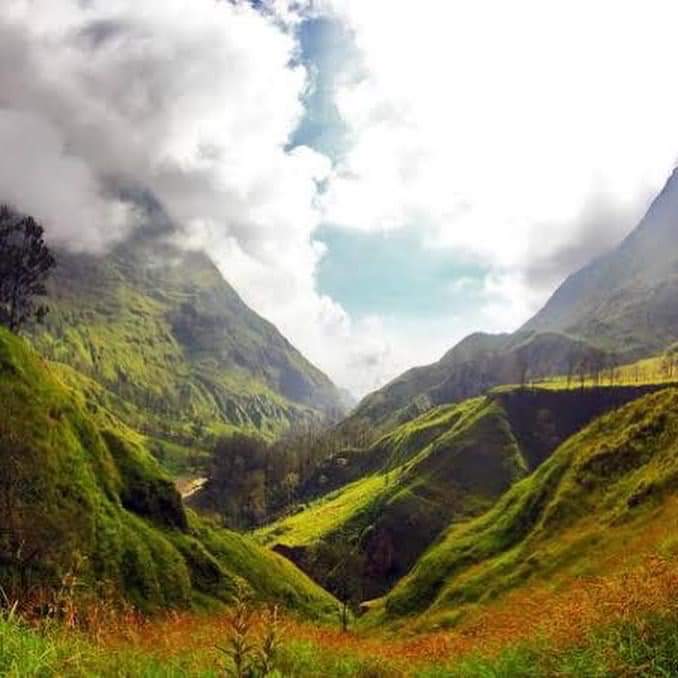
(162, 329)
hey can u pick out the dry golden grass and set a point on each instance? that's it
(562, 618)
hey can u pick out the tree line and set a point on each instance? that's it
(251, 481)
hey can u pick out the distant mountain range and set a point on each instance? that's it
(622, 306)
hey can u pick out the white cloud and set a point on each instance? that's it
(498, 128)
(194, 101)
(498, 125)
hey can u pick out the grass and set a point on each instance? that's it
(324, 516)
(653, 370)
(597, 492)
(81, 492)
(617, 625)
(442, 468)
(171, 344)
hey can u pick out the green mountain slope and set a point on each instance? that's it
(610, 484)
(79, 492)
(443, 467)
(164, 332)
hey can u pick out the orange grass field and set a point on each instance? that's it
(563, 619)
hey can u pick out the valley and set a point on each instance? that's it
(338, 339)
(170, 459)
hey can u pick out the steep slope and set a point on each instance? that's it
(162, 330)
(79, 492)
(447, 465)
(622, 306)
(607, 491)
(625, 300)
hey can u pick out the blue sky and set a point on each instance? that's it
(390, 274)
(394, 274)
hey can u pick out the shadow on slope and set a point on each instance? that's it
(450, 464)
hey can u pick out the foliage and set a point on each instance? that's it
(447, 465)
(251, 653)
(25, 264)
(635, 632)
(589, 498)
(251, 481)
(239, 649)
(176, 353)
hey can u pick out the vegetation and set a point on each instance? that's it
(476, 517)
(180, 357)
(598, 492)
(88, 497)
(446, 466)
(478, 363)
(251, 481)
(615, 625)
(25, 264)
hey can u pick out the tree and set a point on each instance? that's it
(25, 264)
(571, 364)
(236, 479)
(342, 563)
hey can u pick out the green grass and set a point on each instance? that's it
(172, 344)
(84, 492)
(647, 648)
(324, 516)
(594, 493)
(444, 467)
(653, 370)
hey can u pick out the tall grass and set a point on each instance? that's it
(646, 648)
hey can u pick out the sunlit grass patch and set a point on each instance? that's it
(323, 516)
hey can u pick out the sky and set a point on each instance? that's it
(378, 178)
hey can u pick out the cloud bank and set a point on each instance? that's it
(524, 137)
(528, 135)
(192, 101)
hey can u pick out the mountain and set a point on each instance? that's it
(602, 501)
(620, 307)
(81, 495)
(162, 331)
(476, 364)
(626, 300)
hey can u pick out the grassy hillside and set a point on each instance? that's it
(81, 495)
(620, 625)
(182, 353)
(447, 465)
(605, 492)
